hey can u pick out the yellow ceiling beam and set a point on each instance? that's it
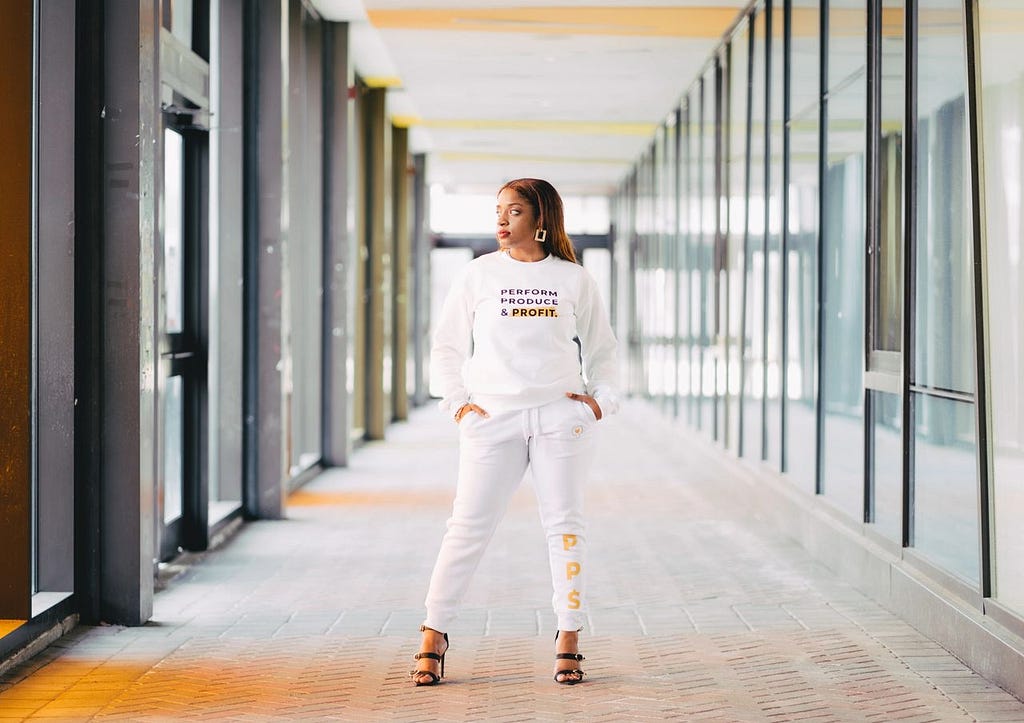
(543, 126)
(474, 157)
(690, 22)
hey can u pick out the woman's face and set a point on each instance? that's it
(517, 222)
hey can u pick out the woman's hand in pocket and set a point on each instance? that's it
(589, 401)
(466, 409)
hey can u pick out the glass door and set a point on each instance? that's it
(181, 506)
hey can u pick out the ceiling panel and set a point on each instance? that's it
(567, 90)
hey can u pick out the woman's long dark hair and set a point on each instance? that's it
(547, 206)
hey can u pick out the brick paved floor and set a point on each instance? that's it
(700, 612)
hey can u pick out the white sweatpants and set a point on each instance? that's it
(555, 442)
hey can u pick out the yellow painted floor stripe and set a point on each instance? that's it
(309, 498)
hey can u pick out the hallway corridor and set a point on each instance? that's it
(700, 611)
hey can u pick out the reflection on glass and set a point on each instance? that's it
(302, 307)
(737, 126)
(174, 223)
(773, 246)
(178, 19)
(945, 475)
(1002, 75)
(174, 423)
(847, 40)
(690, 112)
(694, 208)
(887, 299)
(946, 486)
(802, 249)
(887, 507)
(842, 386)
(706, 256)
(754, 347)
(666, 262)
(944, 313)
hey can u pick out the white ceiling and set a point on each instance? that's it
(568, 90)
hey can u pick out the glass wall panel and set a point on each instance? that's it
(773, 242)
(303, 253)
(682, 273)
(887, 425)
(1002, 97)
(737, 222)
(174, 234)
(638, 276)
(888, 296)
(706, 254)
(945, 491)
(670, 225)
(664, 157)
(887, 279)
(944, 311)
(691, 265)
(754, 310)
(173, 478)
(646, 264)
(842, 386)
(802, 247)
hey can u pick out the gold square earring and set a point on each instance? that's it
(540, 235)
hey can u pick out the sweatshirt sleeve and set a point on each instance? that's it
(451, 346)
(598, 346)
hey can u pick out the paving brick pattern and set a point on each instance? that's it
(699, 612)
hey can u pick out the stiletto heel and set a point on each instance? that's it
(571, 676)
(434, 679)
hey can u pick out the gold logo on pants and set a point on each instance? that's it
(572, 569)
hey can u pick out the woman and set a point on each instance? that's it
(526, 361)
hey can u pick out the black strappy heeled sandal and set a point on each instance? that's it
(572, 676)
(434, 678)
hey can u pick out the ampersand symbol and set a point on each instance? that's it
(504, 312)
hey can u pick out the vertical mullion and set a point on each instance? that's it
(697, 333)
(981, 317)
(871, 237)
(34, 313)
(748, 133)
(909, 264)
(823, 49)
(687, 255)
(717, 260)
(787, 48)
(767, 191)
(727, 110)
(250, 258)
(677, 160)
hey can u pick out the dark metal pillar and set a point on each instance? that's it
(128, 475)
(400, 264)
(420, 280)
(375, 208)
(337, 240)
(16, 59)
(263, 444)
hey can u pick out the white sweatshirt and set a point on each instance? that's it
(506, 338)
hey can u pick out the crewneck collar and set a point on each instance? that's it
(509, 256)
